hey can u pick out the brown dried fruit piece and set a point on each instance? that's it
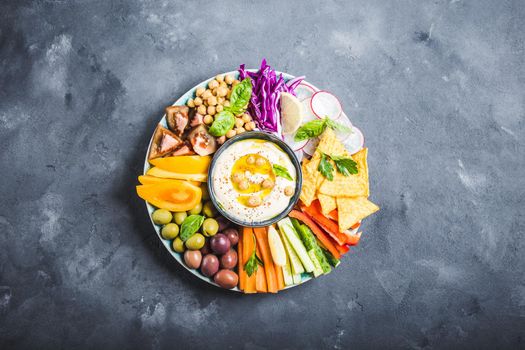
(202, 142)
(164, 142)
(177, 117)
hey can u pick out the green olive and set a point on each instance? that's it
(196, 210)
(209, 210)
(195, 242)
(205, 193)
(178, 245)
(179, 217)
(170, 231)
(210, 227)
(161, 216)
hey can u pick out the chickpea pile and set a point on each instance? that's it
(212, 101)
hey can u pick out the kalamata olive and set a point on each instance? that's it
(229, 259)
(220, 244)
(206, 248)
(210, 265)
(193, 258)
(233, 235)
(223, 223)
(226, 278)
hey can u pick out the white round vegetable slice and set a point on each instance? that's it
(353, 141)
(304, 91)
(295, 146)
(311, 146)
(308, 113)
(325, 104)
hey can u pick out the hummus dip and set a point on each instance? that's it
(253, 180)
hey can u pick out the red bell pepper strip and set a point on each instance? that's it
(327, 242)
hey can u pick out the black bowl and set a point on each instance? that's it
(261, 136)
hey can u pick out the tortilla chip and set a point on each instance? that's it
(328, 203)
(309, 180)
(330, 144)
(352, 210)
(352, 185)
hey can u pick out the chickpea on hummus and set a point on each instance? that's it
(254, 180)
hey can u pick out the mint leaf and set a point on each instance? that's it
(281, 171)
(190, 225)
(310, 130)
(336, 126)
(224, 121)
(240, 97)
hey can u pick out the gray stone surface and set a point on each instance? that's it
(438, 87)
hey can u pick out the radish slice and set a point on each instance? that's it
(311, 146)
(299, 155)
(308, 113)
(353, 141)
(324, 104)
(304, 91)
(295, 146)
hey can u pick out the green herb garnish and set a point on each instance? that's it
(254, 261)
(281, 171)
(190, 226)
(316, 127)
(240, 97)
(326, 168)
(224, 121)
(344, 165)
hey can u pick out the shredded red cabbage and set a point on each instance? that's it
(266, 88)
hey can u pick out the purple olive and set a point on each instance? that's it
(210, 265)
(220, 244)
(192, 258)
(226, 279)
(233, 235)
(223, 223)
(229, 259)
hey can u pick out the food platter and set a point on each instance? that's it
(279, 253)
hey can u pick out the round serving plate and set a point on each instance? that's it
(167, 243)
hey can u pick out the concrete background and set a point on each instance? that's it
(438, 87)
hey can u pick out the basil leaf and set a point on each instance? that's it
(281, 171)
(240, 97)
(336, 126)
(251, 265)
(190, 225)
(345, 165)
(326, 168)
(224, 121)
(310, 130)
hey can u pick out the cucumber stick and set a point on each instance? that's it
(318, 271)
(297, 278)
(293, 259)
(308, 238)
(287, 273)
(287, 228)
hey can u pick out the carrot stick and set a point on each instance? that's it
(331, 227)
(280, 277)
(242, 274)
(247, 250)
(262, 241)
(326, 240)
(260, 276)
